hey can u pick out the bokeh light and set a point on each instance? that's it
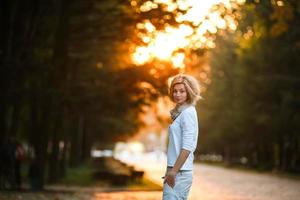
(171, 43)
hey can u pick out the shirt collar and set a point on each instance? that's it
(175, 112)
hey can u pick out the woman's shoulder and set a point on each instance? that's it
(189, 110)
(189, 115)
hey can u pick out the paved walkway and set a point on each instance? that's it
(210, 183)
(218, 183)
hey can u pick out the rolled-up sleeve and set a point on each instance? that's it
(189, 130)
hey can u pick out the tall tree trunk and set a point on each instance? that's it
(40, 113)
(53, 160)
(60, 61)
(76, 143)
(8, 15)
(64, 151)
(3, 135)
(15, 119)
(86, 143)
(64, 159)
(35, 138)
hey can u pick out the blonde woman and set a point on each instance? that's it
(183, 134)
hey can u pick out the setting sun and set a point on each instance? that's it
(170, 43)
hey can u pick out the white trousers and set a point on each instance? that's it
(180, 191)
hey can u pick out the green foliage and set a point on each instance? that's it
(249, 109)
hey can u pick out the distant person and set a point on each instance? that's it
(19, 158)
(12, 154)
(183, 135)
(6, 168)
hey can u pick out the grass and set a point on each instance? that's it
(79, 176)
(82, 176)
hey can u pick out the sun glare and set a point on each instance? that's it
(168, 45)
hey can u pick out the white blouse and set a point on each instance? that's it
(183, 134)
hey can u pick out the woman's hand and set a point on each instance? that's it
(170, 178)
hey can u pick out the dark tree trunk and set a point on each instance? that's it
(86, 143)
(53, 159)
(3, 135)
(15, 120)
(64, 159)
(40, 116)
(8, 15)
(64, 151)
(76, 142)
(35, 140)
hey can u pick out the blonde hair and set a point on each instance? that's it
(191, 85)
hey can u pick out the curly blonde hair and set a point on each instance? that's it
(191, 85)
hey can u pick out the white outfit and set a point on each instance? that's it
(180, 191)
(183, 134)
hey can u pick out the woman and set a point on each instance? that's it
(183, 133)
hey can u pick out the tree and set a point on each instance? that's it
(254, 85)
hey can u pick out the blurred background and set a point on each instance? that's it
(84, 89)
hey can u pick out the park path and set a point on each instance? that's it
(210, 183)
(219, 183)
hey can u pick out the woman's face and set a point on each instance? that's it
(179, 93)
